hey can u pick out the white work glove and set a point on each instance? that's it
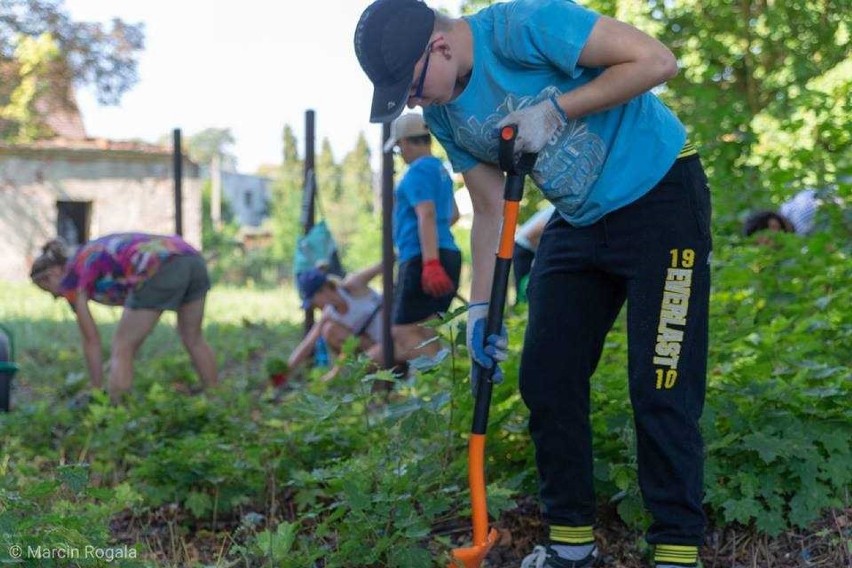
(537, 125)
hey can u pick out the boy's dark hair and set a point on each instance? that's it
(420, 140)
(759, 221)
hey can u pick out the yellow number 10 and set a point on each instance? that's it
(666, 379)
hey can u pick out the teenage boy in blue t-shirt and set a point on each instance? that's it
(634, 226)
(429, 260)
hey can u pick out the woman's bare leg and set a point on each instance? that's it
(189, 318)
(133, 328)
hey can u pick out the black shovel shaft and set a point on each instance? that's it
(493, 325)
(512, 194)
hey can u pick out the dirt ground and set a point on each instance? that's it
(827, 544)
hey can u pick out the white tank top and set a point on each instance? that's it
(360, 310)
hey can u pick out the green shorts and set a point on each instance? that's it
(180, 280)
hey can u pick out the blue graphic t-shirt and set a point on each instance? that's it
(425, 180)
(526, 51)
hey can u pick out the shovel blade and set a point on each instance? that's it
(472, 556)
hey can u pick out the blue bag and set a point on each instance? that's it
(317, 249)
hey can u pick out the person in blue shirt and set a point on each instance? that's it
(429, 260)
(633, 227)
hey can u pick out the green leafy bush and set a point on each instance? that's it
(327, 470)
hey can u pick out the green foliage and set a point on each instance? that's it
(215, 241)
(227, 260)
(271, 546)
(56, 508)
(205, 145)
(357, 177)
(201, 472)
(19, 119)
(344, 198)
(286, 204)
(275, 365)
(327, 471)
(764, 92)
(778, 423)
(44, 53)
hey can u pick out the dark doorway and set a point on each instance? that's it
(72, 221)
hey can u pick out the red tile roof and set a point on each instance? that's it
(60, 143)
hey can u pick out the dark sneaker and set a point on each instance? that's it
(546, 557)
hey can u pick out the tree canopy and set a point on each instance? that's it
(44, 54)
(763, 89)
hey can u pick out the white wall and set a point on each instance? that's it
(128, 191)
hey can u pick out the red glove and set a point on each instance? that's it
(435, 280)
(279, 379)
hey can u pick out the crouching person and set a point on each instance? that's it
(350, 307)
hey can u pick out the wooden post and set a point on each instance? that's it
(177, 155)
(309, 193)
(216, 191)
(387, 249)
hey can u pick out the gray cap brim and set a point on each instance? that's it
(390, 144)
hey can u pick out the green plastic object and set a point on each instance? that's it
(8, 367)
(522, 289)
(7, 350)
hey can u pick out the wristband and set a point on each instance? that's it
(559, 109)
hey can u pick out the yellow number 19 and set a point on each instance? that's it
(687, 258)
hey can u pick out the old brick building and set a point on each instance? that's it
(85, 188)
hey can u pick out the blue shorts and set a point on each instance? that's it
(410, 303)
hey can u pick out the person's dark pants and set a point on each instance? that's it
(522, 261)
(411, 304)
(655, 254)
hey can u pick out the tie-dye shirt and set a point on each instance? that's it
(109, 268)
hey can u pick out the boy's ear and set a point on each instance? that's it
(438, 39)
(442, 47)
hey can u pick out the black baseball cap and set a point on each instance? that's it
(391, 37)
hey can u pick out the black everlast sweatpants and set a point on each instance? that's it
(654, 254)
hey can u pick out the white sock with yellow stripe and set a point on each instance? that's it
(572, 543)
(675, 556)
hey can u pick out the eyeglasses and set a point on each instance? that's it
(418, 92)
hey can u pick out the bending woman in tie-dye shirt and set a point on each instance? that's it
(146, 274)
